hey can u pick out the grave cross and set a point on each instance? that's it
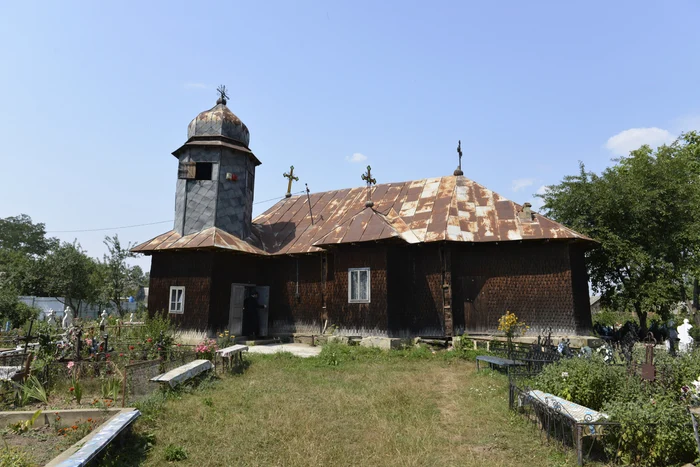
(648, 369)
(291, 178)
(458, 170)
(370, 181)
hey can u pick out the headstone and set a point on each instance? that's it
(67, 318)
(103, 321)
(51, 317)
(686, 341)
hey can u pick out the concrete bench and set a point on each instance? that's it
(97, 441)
(183, 373)
(584, 421)
(497, 361)
(232, 355)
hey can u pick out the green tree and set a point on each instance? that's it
(22, 246)
(12, 310)
(121, 280)
(21, 235)
(71, 276)
(645, 212)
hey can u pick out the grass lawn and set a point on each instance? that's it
(347, 407)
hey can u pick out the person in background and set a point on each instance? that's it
(250, 314)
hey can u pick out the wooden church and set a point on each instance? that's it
(432, 257)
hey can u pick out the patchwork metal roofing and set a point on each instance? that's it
(211, 238)
(451, 208)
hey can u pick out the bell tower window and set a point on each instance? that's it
(196, 170)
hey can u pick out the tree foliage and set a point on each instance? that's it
(71, 276)
(645, 212)
(120, 279)
(21, 235)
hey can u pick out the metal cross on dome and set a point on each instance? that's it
(367, 177)
(291, 178)
(458, 170)
(222, 94)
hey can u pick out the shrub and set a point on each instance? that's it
(174, 453)
(589, 382)
(652, 431)
(206, 349)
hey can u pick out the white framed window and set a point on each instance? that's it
(359, 285)
(177, 300)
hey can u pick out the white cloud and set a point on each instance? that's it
(521, 183)
(622, 143)
(195, 86)
(538, 202)
(357, 157)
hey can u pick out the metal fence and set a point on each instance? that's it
(137, 382)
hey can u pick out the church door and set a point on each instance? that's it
(235, 315)
(264, 311)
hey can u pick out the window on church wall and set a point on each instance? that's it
(359, 285)
(177, 300)
(196, 170)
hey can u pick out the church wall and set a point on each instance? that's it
(235, 198)
(195, 200)
(415, 291)
(579, 277)
(535, 281)
(296, 300)
(358, 318)
(194, 271)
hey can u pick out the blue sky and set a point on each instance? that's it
(95, 97)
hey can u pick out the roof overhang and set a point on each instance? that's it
(220, 141)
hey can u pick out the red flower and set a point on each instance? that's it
(121, 354)
(149, 340)
(107, 356)
(131, 347)
(72, 389)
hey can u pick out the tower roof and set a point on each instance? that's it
(219, 121)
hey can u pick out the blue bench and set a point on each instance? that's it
(497, 361)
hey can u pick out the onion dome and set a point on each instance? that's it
(219, 121)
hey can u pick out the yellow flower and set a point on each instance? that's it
(221, 335)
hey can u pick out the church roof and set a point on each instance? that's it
(211, 238)
(451, 208)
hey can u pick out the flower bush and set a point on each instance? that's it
(511, 325)
(225, 339)
(206, 349)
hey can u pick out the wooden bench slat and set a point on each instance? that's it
(228, 351)
(102, 437)
(183, 373)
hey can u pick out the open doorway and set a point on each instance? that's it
(249, 310)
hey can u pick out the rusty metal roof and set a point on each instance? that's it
(206, 239)
(451, 208)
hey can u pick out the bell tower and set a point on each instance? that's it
(216, 174)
